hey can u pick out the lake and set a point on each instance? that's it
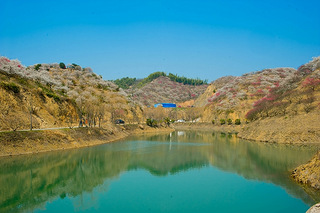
(182, 171)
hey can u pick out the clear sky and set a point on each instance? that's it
(191, 38)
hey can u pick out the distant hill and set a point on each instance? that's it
(159, 87)
(126, 83)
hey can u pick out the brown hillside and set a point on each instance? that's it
(59, 97)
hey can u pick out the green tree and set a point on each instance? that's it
(237, 122)
(125, 83)
(152, 122)
(37, 67)
(167, 121)
(184, 80)
(150, 78)
(222, 121)
(62, 65)
(229, 121)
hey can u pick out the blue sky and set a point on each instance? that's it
(192, 38)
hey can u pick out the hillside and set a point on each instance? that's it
(263, 94)
(294, 106)
(163, 90)
(126, 83)
(54, 95)
(159, 87)
(278, 105)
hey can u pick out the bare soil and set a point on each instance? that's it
(298, 129)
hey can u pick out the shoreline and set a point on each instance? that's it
(33, 142)
(232, 129)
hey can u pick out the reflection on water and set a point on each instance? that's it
(28, 182)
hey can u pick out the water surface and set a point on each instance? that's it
(176, 172)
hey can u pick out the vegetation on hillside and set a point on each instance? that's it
(299, 95)
(126, 82)
(163, 90)
(184, 80)
(57, 95)
(232, 97)
(150, 78)
(73, 93)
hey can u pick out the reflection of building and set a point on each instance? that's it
(180, 133)
(166, 105)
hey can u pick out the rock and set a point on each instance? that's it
(314, 209)
(309, 173)
(141, 127)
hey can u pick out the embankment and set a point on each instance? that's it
(298, 129)
(28, 142)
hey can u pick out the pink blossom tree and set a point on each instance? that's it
(311, 83)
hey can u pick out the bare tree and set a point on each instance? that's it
(80, 101)
(100, 113)
(307, 103)
(12, 121)
(192, 114)
(71, 119)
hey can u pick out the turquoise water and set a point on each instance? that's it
(177, 172)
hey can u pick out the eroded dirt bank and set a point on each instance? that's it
(298, 129)
(17, 143)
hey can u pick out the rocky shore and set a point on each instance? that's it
(314, 209)
(309, 173)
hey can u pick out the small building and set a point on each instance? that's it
(166, 105)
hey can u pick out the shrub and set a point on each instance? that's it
(151, 122)
(237, 122)
(212, 121)
(167, 121)
(222, 121)
(229, 121)
(22, 81)
(11, 87)
(253, 114)
(55, 97)
(62, 65)
(37, 67)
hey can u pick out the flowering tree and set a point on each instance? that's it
(311, 83)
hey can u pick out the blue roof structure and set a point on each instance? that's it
(166, 105)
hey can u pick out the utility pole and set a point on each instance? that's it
(30, 111)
